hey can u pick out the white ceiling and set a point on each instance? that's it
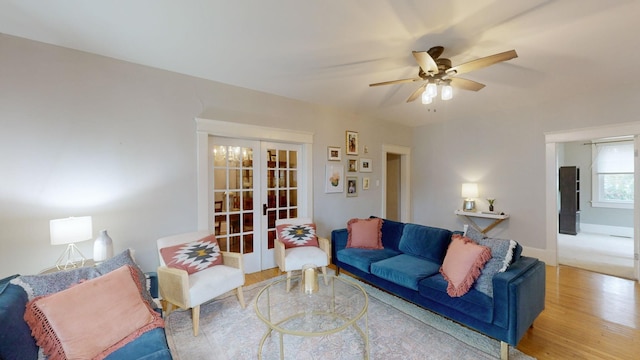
(328, 51)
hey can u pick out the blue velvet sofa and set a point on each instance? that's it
(16, 342)
(408, 267)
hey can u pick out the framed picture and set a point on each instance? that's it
(365, 183)
(365, 165)
(352, 143)
(352, 165)
(352, 186)
(334, 153)
(334, 179)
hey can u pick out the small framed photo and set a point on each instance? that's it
(334, 182)
(353, 165)
(334, 153)
(352, 143)
(365, 165)
(365, 183)
(352, 186)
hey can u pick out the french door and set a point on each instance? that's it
(253, 184)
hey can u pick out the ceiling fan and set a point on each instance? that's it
(435, 70)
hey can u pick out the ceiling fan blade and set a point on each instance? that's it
(401, 81)
(426, 62)
(466, 84)
(482, 62)
(416, 94)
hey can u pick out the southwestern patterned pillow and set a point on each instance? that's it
(193, 256)
(297, 235)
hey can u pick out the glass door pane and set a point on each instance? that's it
(233, 189)
(282, 178)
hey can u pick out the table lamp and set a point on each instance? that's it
(70, 231)
(469, 191)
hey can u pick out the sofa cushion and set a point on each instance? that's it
(16, 342)
(193, 256)
(425, 241)
(463, 264)
(363, 258)
(405, 270)
(391, 233)
(473, 303)
(151, 345)
(365, 233)
(295, 235)
(67, 325)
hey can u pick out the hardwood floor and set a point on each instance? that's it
(587, 316)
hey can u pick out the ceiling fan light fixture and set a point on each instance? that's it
(426, 99)
(432, 90)
(447, 92)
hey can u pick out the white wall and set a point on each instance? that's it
(82, 134)
(505, 154)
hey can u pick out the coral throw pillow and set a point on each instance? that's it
(297, 235)
(92, 319)
(463, 264)
(193, 256)
(365, 233)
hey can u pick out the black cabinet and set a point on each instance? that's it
(569, 200)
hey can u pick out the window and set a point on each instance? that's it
(613, 174)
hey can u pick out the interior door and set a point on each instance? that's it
(254, 183)
(236, 198)
(280, 191)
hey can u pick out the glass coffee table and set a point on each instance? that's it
(336, 307)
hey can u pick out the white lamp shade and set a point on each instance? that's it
(469, 190)
(426, 99)
(432, 90)
(447, 92)
(70, 230)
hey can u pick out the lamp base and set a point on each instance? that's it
(469, 205)
(69, 258)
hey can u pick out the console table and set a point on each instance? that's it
(469, 216)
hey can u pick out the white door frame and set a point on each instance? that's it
(551, 180)
(205, 128)
(405, 178)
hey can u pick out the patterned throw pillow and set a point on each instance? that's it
(501, 256)
(297, 235)
(463, 264)
(193, 256)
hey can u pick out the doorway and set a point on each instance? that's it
(553, 149)
(249, 176)
(396, 200)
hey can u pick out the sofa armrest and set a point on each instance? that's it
(174, 286)
(339, 239)
(279, 249)
(519, 295)
(232, 259)
(152, 283)
(325, 245)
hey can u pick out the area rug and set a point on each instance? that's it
(397, 330)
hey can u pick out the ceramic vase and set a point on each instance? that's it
(102, 247)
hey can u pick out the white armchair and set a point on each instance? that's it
(293, 259)
(189, 291)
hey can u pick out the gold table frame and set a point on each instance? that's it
(265, 295)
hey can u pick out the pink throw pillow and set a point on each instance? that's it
(365, 233)
(92, 319)
(297, 235)
(193, 256)
(463, 264)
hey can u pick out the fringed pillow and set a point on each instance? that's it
(193, 256)
(295, 235)
(463, 264)
(92, 319)
(365, 233)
